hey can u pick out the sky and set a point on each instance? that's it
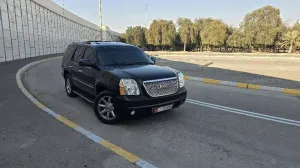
(119, 14)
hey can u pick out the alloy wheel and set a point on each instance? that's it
(68, 86)
(106, 108)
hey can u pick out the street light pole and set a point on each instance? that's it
(63, 7)
(146, 7)
(100, 15)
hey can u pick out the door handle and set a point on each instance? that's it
(80, 70)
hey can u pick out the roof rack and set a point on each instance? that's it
(90, 42)
(99, 43)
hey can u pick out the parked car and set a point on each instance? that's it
(120, 79)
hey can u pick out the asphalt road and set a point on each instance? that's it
(267, 70)
(29, 138)
(217, 127)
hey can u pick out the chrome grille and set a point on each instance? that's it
(161, 87)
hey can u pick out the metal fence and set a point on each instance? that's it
(28, 29)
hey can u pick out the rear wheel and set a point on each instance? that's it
(69, 87)
(104, 108)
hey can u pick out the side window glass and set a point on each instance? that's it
(89, 54)
(70, 52)
(68, 49)
(79, 54)
(66, 55)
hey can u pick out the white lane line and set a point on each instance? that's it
(246, 113)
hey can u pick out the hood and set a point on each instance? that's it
(143, 72)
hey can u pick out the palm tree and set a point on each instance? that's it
(291, 39)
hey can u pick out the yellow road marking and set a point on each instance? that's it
(40, 105)
(291, 91)
(128, 156)
(254, 87)
(242, 85)
(66, 121)
(186, 77)
(26, 92)
(213, 81)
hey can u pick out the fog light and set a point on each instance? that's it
(132, 113)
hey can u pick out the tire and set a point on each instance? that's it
(69, 87)
(113, 117)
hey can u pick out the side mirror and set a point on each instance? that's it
(86, 62)
(153, 59)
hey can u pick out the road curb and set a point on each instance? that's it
(244, 85)
(108, 145)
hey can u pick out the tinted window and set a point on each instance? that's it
(68, 48)
(122, 55)
(79, 54)
(89, 54)
(66, 55)
(71, 51)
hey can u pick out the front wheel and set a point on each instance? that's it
(104, 108)
(69, 87)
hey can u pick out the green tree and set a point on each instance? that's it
(291, 39)
(198, 27)
(296, 26)
(237, 39)
(123, 38)
(154, 34)
(129, 35)
(168, 30)
(186, 31)
(161, 33)
(139, 37)
(214, 32)
(262, 26)
(136, 36)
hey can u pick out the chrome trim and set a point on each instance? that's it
(159, 80)
(83, 97)
(91, 86)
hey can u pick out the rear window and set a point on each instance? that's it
(122, 55)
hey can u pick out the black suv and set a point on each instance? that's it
(120, 79)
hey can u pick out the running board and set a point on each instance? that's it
(85, 98)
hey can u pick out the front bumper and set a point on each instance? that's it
(146, 102)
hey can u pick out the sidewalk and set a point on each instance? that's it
(191, 69)
(171, 53)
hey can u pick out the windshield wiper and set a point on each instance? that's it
(140, 63)
(114, 64)
(134, 63)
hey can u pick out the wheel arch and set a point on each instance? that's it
(66, 73)
(102, 87)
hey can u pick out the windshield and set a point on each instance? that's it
(122, 56)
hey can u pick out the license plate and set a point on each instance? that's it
(163, 108)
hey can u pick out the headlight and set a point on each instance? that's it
(129, 87)
(181, 79)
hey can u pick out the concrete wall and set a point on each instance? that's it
(30, 28)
